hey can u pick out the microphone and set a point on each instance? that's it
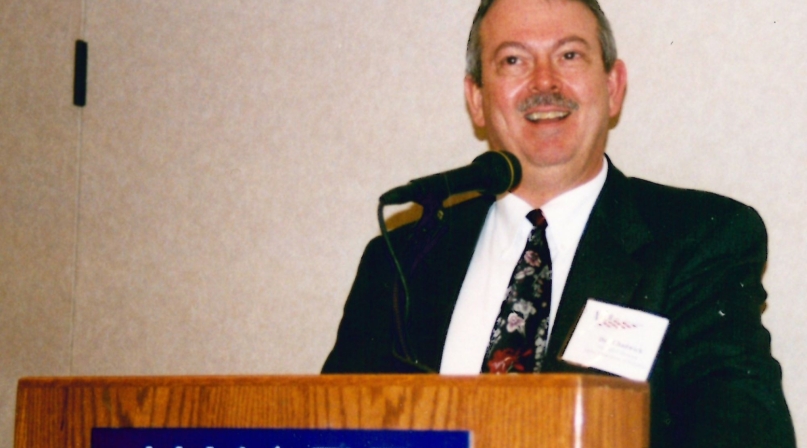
(493, 172)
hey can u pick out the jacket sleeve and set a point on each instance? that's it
(724, 387)
(364, 339)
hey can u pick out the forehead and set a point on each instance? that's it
(537, 21)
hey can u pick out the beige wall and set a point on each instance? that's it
(206, 211)
(39, 139)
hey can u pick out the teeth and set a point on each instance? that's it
(537, 116)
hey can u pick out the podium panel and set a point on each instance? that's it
(549, 410)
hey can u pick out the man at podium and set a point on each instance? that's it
(499, 283)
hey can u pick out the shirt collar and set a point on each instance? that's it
(566, 214)
(510, 214)
(574, 202)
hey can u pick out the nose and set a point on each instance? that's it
(545, 77)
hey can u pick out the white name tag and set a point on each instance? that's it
(616, 340)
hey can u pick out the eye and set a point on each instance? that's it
(512, 63)
(570, 55)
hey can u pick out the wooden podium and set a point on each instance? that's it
(508, 411)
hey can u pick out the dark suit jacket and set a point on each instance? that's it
(693, 257)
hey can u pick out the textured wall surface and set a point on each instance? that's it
(205, 213)
(39, 137)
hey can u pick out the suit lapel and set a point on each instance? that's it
(603, 267)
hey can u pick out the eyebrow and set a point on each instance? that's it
(509, 44)
(572, 39)
(560, 43)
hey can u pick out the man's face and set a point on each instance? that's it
(545, 94)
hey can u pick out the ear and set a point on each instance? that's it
(617, 83)
(473, 98)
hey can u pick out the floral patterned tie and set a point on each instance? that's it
(518, 341)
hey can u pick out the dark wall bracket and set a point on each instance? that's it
(80, 80)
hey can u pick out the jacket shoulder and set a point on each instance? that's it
(671, 209)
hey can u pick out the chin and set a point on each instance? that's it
(546, 157)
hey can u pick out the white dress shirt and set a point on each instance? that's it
(501, 242)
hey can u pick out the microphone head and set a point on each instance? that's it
(493, 172)
(501, 169)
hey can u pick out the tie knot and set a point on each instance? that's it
(537, 218)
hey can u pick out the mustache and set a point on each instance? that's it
(548, 99)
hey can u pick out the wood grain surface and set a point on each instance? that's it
(500, 410)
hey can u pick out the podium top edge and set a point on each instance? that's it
(554, 380)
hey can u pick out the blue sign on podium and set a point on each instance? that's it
(275, 438)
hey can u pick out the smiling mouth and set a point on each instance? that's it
(535, 117)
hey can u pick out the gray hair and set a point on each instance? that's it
(473, 55)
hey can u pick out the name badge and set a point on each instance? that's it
(616, 340)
